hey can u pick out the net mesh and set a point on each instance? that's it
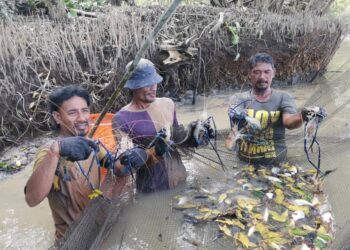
(149, 222)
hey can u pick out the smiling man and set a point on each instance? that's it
(66, 170)
(274, 109)
(140, 121)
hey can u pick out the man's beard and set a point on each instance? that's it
(261, 89)
(79, 132)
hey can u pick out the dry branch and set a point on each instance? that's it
(39, 55)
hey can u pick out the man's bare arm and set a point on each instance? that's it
(40, 182)
(292, 121)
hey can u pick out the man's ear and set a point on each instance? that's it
(57, 117)
(273, 72)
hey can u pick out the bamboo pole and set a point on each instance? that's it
(162, 20)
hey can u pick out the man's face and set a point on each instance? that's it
(146, 94)
(261, 76)
(73, 117)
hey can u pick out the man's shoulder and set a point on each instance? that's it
(164, 101)
(279, 92)
(45, 147)
(239, 96)
(123, 109)
(41, 153)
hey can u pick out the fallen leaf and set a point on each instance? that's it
(279, 196)
(247, 203)
(279, 217)
(244, 240)
(305, 209)
(225, 230)
(222, 197)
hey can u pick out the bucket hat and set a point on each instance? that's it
(144, 75)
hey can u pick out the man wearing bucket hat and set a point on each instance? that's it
(148, 120)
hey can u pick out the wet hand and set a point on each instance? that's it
(76, 148)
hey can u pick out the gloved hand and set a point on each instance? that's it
(161, 146)
(76, 148)
(308, 113)
(133, 158)
(209, 130)
(201, 132)
(237, 116)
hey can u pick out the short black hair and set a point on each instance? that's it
(260, 58)
(62, 94)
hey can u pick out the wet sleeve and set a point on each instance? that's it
(40, 155)
(288, 104)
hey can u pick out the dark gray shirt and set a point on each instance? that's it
(268, 145)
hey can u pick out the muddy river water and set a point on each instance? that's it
(150, 222)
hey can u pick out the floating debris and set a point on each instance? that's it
(10, 167)
(267, 208)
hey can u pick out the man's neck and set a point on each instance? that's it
(139, 105)
(262, 95)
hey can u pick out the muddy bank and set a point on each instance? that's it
(15, 158)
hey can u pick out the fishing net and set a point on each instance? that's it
(92, 228)
(197, 214)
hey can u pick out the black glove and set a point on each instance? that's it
(76, 148)
(238, 118)
(209, 131)
(161, 146)
(133, 158)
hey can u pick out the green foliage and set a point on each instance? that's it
(32, 4)
(87, 5)
(234, 35)
(234, 30)
(340, 6)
